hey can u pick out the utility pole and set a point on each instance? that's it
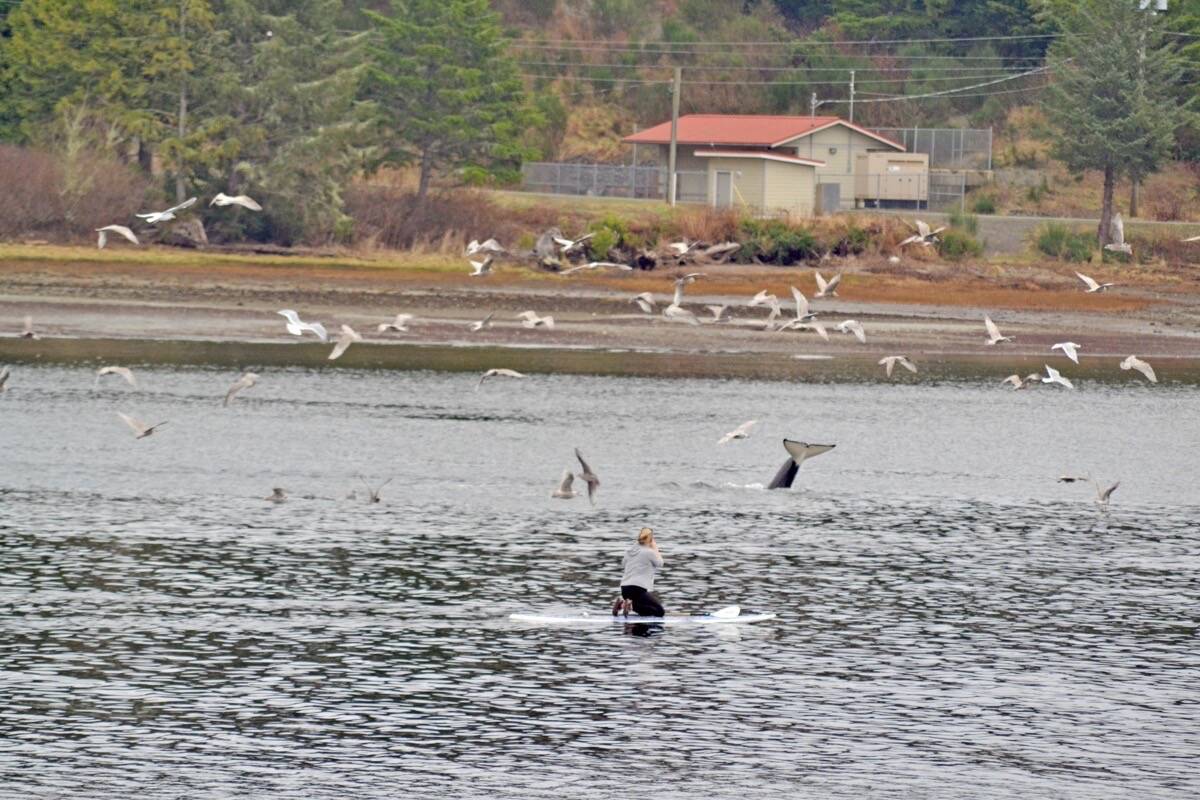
(180, 189)
(852, 95)
(675, 90)
(812, 105)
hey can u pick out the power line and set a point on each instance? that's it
(867, 81)
(625, 43)
(798, 68)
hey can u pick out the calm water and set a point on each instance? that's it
(952, 622)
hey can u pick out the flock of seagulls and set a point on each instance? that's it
(155, 217)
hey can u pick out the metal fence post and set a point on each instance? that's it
(962, 193)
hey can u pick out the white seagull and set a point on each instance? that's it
(140, 429)
(827, 288)
(222, 199)
(480, 324)
(1092, 285)
(102, 239)
(802, 311)
(1023, 383)
(398, 325)
(564, 490)
(645, 302)
(923, 235)
(481, 269)
(889, 363)
(488, 245)
(1070, 350)
(1054, 376)
(532, 320)
(855, 327)
(681, 282)
(1133, 362)
(568, 245)
(498, 373)
(168, 215)
(819, 328)
(763, 298)
(1102, 496)
(247, 380)
(740, 432)
(587, 476)
(1116, 232)
(994, 335)
(347, 338)
(124, 372)
(297, 327)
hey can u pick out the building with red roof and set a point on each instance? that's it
(789, 163)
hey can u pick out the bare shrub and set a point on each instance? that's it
(708, 224)
(49, 196)
(389, 216)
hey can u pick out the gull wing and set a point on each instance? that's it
(246, 202)
(888, 362)
(135, 425)
(564, 485)
(822, 284)
(801, 302)
(1088, 281)
(908, 365)
(1107, 493)
(819, 327)
(831, 287)
(993, 331)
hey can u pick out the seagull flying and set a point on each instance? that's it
(681, 282)
(102, 239)
(889, 363)
(297, 327)
(802, 311)
(242, 200)
(994, 335)
(277, 495)
(645, 302)
(481, 269)
(488, 245)
(1092, 285)
(1070, 350)
(855, 327)
(347, 338)
(564, 490)
(168, 215)
(140, 429)
(498, 373)
(1133, 362)
(827, 288)
(480, 324)
(1027, 382)
(717, 312)
(763, 298)
(124, 372)
(587, 476)
(373, 491)
(568, 245)
(1102, 496)
(923, 235)
(399, 324)
(740, 432)
(532, 320)
(1116, 232)
(1054, 376)
(247, 380)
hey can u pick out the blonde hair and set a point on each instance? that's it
(645, 535)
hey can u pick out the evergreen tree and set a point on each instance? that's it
(447, 92)
(1113, 96)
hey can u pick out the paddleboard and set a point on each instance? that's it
(725, 616)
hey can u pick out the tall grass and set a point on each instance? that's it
(1056, 240)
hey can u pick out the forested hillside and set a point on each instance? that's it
(304, 100)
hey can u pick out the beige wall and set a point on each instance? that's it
(747, 180)
(840, 166)
(892, 176)
(789, 187)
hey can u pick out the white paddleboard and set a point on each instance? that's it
(725, 616)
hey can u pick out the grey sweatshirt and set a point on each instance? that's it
(640, 564)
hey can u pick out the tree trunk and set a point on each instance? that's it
(426, 171)
(1106, 208)
(1135, 190)
(180, 187)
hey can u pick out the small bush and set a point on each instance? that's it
(956, 244)
(984, 204)
(1058, 241)
(707, 224)
(774, 241)
(965, 222)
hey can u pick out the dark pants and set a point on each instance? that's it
(645, 604)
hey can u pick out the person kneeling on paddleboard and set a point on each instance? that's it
(641, 561)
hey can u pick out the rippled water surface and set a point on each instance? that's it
(952, 621)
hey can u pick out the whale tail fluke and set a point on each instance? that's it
(798, 453)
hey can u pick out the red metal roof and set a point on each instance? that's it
(763, 154)
(744, 130)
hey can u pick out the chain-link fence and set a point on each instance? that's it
(611, 180)
(948, 148)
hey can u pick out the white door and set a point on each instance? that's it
(723, 198)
